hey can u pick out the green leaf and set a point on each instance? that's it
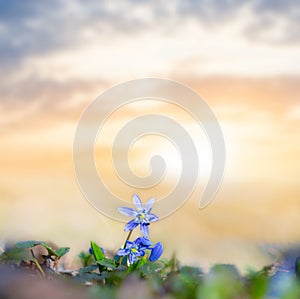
(165, 262)
(297, 267)
(257, 284)
(30, 244)
(90, 276)
(97, 252)
(149, 269)
(108, 263)
(62, 251)
(121, 260)
(27, 244)
(58, 253)
(223, 281)
(88, 269)
(86, 258)
(15, 255)
(50, 250)
(136, 265)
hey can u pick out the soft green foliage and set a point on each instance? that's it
(297, 267)
(108, 277)
(61, 251)
(222, 282)
(27, 244)
(86, 258)
(15, 255)
(23, 252)
(31, 244)
(257, 283)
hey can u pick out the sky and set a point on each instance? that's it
(242, 57)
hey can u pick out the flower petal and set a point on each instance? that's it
(139, 240)
(156, 252)
(132, 258)
(122, 252)
(146, 242)
(143, 242)
(137, 202)
(130, 225)
(145, 230)
(128, 244)
(127, 211)
(149, 204)
(152, 218)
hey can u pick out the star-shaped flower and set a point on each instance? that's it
(135, 249)
(142, 215)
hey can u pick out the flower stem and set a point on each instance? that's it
(128, 237)
(37, 263)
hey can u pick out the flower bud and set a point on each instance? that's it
(156, 252)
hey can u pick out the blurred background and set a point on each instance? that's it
(242, 57)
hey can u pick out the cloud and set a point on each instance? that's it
(209, 11)
(33, 27)
(268, 21)
(251, 101)
(276, 22)
(38, 27)
(287, 7)
(29, 28)
(34, 102)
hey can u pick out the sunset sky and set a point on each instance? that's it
(242, 57)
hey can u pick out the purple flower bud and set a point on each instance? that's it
(156, 252)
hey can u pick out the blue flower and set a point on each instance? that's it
(134, 249)
(142, 215)
(156, 252)
(139, 247)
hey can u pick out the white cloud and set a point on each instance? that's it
(188, 49)
(137, 35)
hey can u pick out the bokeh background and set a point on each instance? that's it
(242, 57)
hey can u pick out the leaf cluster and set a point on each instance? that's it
(113, 277)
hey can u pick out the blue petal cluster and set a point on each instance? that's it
(142, 215)
(135, 249)
(138, 248)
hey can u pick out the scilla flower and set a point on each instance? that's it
(142, 215)
(139, 247)
(134, 249)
